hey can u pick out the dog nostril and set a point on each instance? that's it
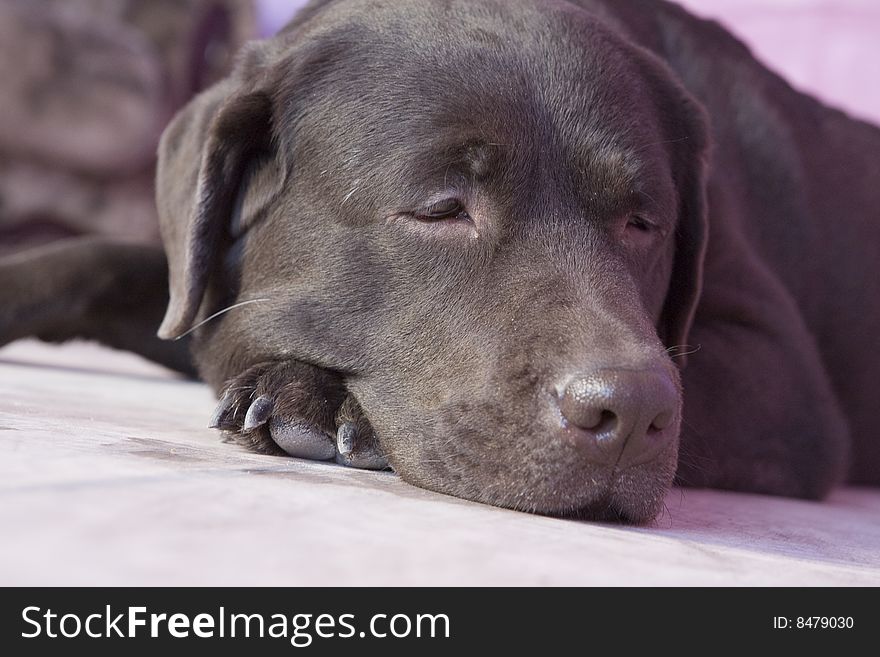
(591, 418)
(606, 422)
(662, 421)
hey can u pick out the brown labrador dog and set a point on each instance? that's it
(480, 240)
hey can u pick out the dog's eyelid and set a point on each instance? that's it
(645, 222)
(642, 218)
(445, 208)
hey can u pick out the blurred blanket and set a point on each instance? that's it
(86, 87)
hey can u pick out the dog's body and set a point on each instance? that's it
(486, 230)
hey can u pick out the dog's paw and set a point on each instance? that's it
(300, 410)
(278, 408)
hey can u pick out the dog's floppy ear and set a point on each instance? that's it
(205, 158)
(685, 125)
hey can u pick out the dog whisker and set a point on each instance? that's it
(690, 350)
(351, 193)
(218, 314)
(659, 143)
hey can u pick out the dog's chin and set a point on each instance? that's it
(635, 495)
(630, 497)
(623, 507)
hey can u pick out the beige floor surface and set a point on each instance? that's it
(108, 476)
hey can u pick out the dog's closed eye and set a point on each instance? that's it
(640, 224)
(445, 209)
(641, 230)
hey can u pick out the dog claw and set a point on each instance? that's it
(259, 413)
(223, 407)
(349, 453)
(302, 441)
(345, 439)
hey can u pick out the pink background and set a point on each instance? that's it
(830, 48)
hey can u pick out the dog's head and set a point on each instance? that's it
(488, 216)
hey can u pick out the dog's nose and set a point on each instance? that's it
(626, 417)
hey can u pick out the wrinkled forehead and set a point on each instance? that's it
(504, 88)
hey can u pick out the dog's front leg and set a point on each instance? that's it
(93, 289)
